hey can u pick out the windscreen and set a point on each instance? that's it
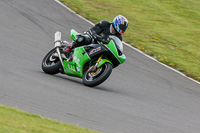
(117, 42)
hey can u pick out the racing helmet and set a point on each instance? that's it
(120, 23)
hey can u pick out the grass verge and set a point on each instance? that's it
(167, 30)
(16, 121)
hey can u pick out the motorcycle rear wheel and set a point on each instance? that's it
(50, 64)
(95, 78)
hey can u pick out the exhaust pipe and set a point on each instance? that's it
(57, 44)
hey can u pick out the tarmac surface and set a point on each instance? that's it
(140, 96)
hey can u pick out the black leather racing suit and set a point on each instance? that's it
(100, 32)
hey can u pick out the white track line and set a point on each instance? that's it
(128, 44)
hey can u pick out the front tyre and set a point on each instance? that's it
(51, 64)
(92, 78)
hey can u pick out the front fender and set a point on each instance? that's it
(103, 61)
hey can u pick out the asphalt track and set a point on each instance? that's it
(141, 96)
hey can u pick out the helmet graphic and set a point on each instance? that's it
(120, 23)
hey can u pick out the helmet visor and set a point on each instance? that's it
(123, 27)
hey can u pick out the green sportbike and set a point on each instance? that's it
(93, 63)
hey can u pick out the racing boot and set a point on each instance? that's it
(68, 49)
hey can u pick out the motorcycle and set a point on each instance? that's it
(93, 63)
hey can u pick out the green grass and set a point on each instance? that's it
(168, 30)
(16, 121)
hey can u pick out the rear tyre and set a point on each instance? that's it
(51, 64)
(99, 76)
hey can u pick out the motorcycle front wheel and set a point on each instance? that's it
(94, 78)
(51, 64)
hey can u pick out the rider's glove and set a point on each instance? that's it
(100, 38)
(97, 37)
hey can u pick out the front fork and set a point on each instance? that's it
(95, 66)
(99, 63)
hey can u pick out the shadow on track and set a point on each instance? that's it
(101, 87)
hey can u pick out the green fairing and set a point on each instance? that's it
(113, 49)
(73, 34)
(75, 68)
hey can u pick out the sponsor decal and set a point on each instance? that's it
(71, 68)
(95, 50)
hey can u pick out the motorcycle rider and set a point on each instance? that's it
(100, 32)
